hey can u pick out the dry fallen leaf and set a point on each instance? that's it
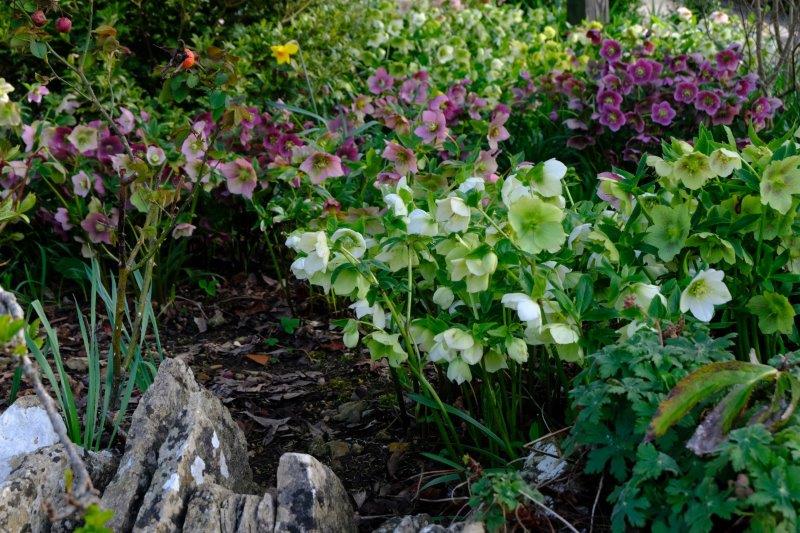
(260, 358)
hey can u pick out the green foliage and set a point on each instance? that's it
(95, 519)
(746, 473)
(496, 495)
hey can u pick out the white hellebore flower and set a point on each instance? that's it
(315, 245)
(83, 138)
(526, 308)
(704, 292)
(351, 241)
(443, 297)
(396, 205)
(362, 309)
(473, 183)
(422, 223)
(548, 183)
(5, 89)
(453, 213)
(724, 162)
(460, 349)
(513, 190)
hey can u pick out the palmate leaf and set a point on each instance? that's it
(702, 384)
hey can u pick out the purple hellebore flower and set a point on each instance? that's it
(575, 124)
(761, 108)
(240, 177)
(728, 60)
(184, 229)
(320, 166)
(746, 85)
(62, 217)
(433, 129)
(642, 71)
(726, 115)
(610, 50)
(608, 98)
(387, 177)
(579, 142)
(635, 121)
(100, 226)
(707, 101)
(611, 82)
(612, 118)
(380, 82)
(81, 184)
(37, 92)
(685, 92)
(404, 159)
(594, 36)
(662, 113)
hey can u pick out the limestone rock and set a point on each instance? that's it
(150, 424)
(38, 478)
(311, 498)
(24, 428)
(204, 446)
(215, 509)
(181, 437)
(421, 523)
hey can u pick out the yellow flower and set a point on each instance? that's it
(284, 52)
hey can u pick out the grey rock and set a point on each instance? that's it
(181, 437)
(404, 524)
(351, 412)
(215, 509)
(204, 446)
(421, 523)
(37, 479)
(311, 498)
(24, 428)
(544, 464)
(151, 421)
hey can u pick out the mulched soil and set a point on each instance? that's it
(292, 385)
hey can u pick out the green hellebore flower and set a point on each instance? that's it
(713, 248)
(669, 230)
(382, 344)
(537, 225)
(693, 170)
(775, 313)
(780, 180)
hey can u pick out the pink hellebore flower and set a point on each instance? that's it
(29, 136)
(184, 229)
(100, 226)
(380, 82)
(36, 94)
(155, 156)
(433, 129)
(62, 217)
(81, 183)
(403, 158)
(194, 146)
(241, 177)
(126, 122)
(320, 166)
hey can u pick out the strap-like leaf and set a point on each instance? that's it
(701, 384)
